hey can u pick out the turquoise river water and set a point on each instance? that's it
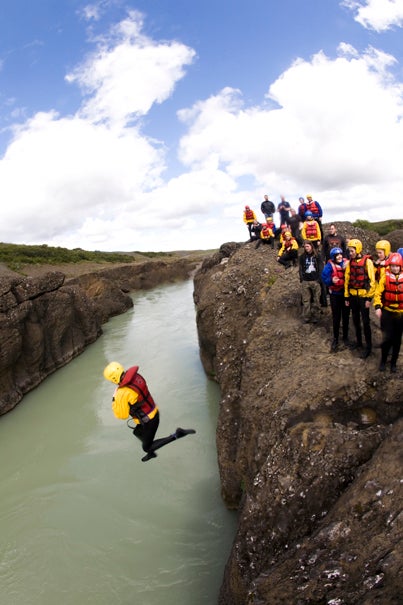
(82, 520)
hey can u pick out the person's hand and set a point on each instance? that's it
(378, 313)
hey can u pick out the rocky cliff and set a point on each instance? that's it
(46, 320)
(309, 442)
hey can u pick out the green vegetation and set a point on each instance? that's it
(17, 255)
(382, 227)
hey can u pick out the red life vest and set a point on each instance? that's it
(266, 232)
(359, 279)
(136, 382)
(288, 244)
(312, 206)
(337, 271)
(393, 293)
(311, 230)
(249, 215)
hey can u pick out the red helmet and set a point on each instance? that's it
(395, 259)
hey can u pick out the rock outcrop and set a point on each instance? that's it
(46, 321)
(309, 442)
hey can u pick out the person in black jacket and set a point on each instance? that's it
(310, 270)
(333, 240)
(267, 207)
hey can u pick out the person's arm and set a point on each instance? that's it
(123, 398)
(372, 281)
(327, 274)
(377, 300)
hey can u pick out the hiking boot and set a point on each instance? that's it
(334, 345)
(355, 345)
(393, 368)
(366, 353)
(382, 366)
(148, 456)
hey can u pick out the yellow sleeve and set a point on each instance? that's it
(295, 245)
(371, 276)
(379, 291)
(122, 399)
(303, 232)
(347, 280)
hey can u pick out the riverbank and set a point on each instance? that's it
(50, 313)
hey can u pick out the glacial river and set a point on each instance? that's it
(82, 520)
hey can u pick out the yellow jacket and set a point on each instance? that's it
(249, 220)
(369, 293)
(307, 227)
(378, 296)
(122, 399)
(294, 246)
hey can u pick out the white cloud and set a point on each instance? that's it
(337, 127)
(329, 126)
(128, 73)
(379, 15)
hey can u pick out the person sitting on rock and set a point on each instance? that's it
(311, 231)
(333, 278)
(382, 249)
(283, 228)
(248, 217)
(310, 269)
(288, 252)
(255, 230)
(266, 236)
(388, 303)
(359, 288)
(132, 398)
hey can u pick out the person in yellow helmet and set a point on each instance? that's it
(382, 249)
(359, 288)
(133, 399)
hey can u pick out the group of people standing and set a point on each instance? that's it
(330, 266)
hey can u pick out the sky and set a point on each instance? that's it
(148, 125)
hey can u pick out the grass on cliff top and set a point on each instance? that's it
(381, 227)
(14, 256)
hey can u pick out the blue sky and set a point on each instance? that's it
(149, 125)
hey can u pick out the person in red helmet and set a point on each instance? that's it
(388, 303)
(133, 399)
(248, 218)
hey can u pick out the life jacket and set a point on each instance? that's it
(136, 382)
(288, 243)
(393, 292)
(249, 215)
(359, 279)
(337, 271)
(379, 266)
(313, 207)
(266, 232)
(311, 230)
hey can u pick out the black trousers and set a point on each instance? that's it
(359, 312)
(392, 330)
(340, 314)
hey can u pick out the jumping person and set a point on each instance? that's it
(132, 398)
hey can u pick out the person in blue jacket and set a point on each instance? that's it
(333, 277)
